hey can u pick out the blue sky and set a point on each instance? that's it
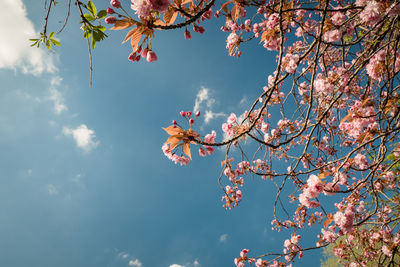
(83, 181)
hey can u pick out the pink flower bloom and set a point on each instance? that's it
(159, 5)
(323, 86)
(361, 161)
(151, 56)
(110, 20)
(328, 236)
(332, 36)
(209, 149)
(232, 41)
(210, 138)
(142, 7)
(115, 3)
(244, 252)
(202, 152)
(386, 251)
(231, 119)
(371, 13)
(289, 62)
(338, 18)
(345, 220)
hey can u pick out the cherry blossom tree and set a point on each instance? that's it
(335, 89)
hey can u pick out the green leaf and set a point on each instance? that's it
(88, 17)
(96, 36)
(35, 43)
(102, 14)
(87, 34)
(55, 42)
(101, 28)
(55, 3)
(48, 44)
(34, 40)
(93, 43)
(347, 39)
(51, 35)
(92, 8)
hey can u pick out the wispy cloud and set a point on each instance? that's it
(203, 96)
(15, 52)
(135, 263)
(124, 256)
(56, 96)
(83, 136)
(51, 189)
(194, 264)
(205, 103)
(223, 238)
(209, 115)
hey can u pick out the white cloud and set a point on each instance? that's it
(203, 96)
(244, 101)
(188, 264)
(15, 50)
(83, 136)
(223, 238)
(52, 190)
(205, 103)
(124, 255)
(135, 263)
(209, 115)
(56, 96)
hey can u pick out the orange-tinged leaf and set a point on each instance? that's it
(122, 24)
(170, 16)
(263, 36)
(346, 117)
(135, 39)
(235, 12)
(173, 140)
(329, 219)
(186, 1)
(129, 35)
(224, 7)
(173, 130)
(159, 22)
(322, 175)
(186, 149)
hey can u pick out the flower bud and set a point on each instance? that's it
(151, 56)
(115, 3)
(144, 53)
(110, 20)
(189, 113)
(187, 34)
(191, 121)
(201, 30)
(182, 113)
(197, 113)
(110, 10)
(132, 57)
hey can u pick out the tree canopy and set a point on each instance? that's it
(335, 143)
